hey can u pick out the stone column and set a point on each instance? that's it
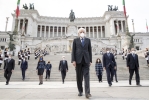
(57, 31)
(101, 32)
(61, 30)
(40, 31)
(49, 31)
(89, 31)
(45, 32)
(93, 31)
(122, 26)
(65, 30)
(97, 33)
(19, 24)
(53, 31)
(118, 28)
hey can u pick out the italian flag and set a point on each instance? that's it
(146, 26)
(17, 10)
(124, 8)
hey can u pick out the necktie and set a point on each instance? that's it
(82, 42)
(8, 60)
(134, 55)
(63, 62)
(108, 54)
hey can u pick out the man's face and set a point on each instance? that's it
(132, 49)
(81, 31)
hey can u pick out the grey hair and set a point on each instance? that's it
(63, 56)
(81, 29)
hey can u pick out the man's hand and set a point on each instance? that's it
(104, 68)
(74, 63)
(66, 70)
(11, 70)
(90, 63)
(128, 68)
(115, 67)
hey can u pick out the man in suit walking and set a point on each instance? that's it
(133, 66)
(24, 67)
(82, 59)
(109, 65)
(63, 67)
(9, 66)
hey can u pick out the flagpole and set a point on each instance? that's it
(146, 25)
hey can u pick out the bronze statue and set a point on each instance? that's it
(25, 6)
(72, 16)
(110, 8)
(131, 45)
(11, 45)
(11, 37)
(31, 6)
(116, 8)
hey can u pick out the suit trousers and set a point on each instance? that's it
(7, 75)
(23, 73)
(131, 71)
(115, 74)
(48, 73)
(100, 77)
(82, 69)
(28, 57)
(110, 73)
(63, 73)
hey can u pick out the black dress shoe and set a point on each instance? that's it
(138, 84)
(88, 95)
(129, 82)
(80, 94)
(116, 81)
(6, 83)
(110, 85)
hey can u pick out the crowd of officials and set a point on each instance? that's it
(24, 56)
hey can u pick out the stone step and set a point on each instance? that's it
(70, 84)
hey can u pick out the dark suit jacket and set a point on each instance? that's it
(79, 51)
(132, 62)
(9, 65)
(108, 60)
(24, 65)
(63, 67)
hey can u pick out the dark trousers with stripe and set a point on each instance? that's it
(82, 69)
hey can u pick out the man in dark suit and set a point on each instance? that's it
(63, 67)
(82, 59)
(109, 64)
(9, 66)
(133, 66)
(24, 67)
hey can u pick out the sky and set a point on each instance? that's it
(136, 9)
